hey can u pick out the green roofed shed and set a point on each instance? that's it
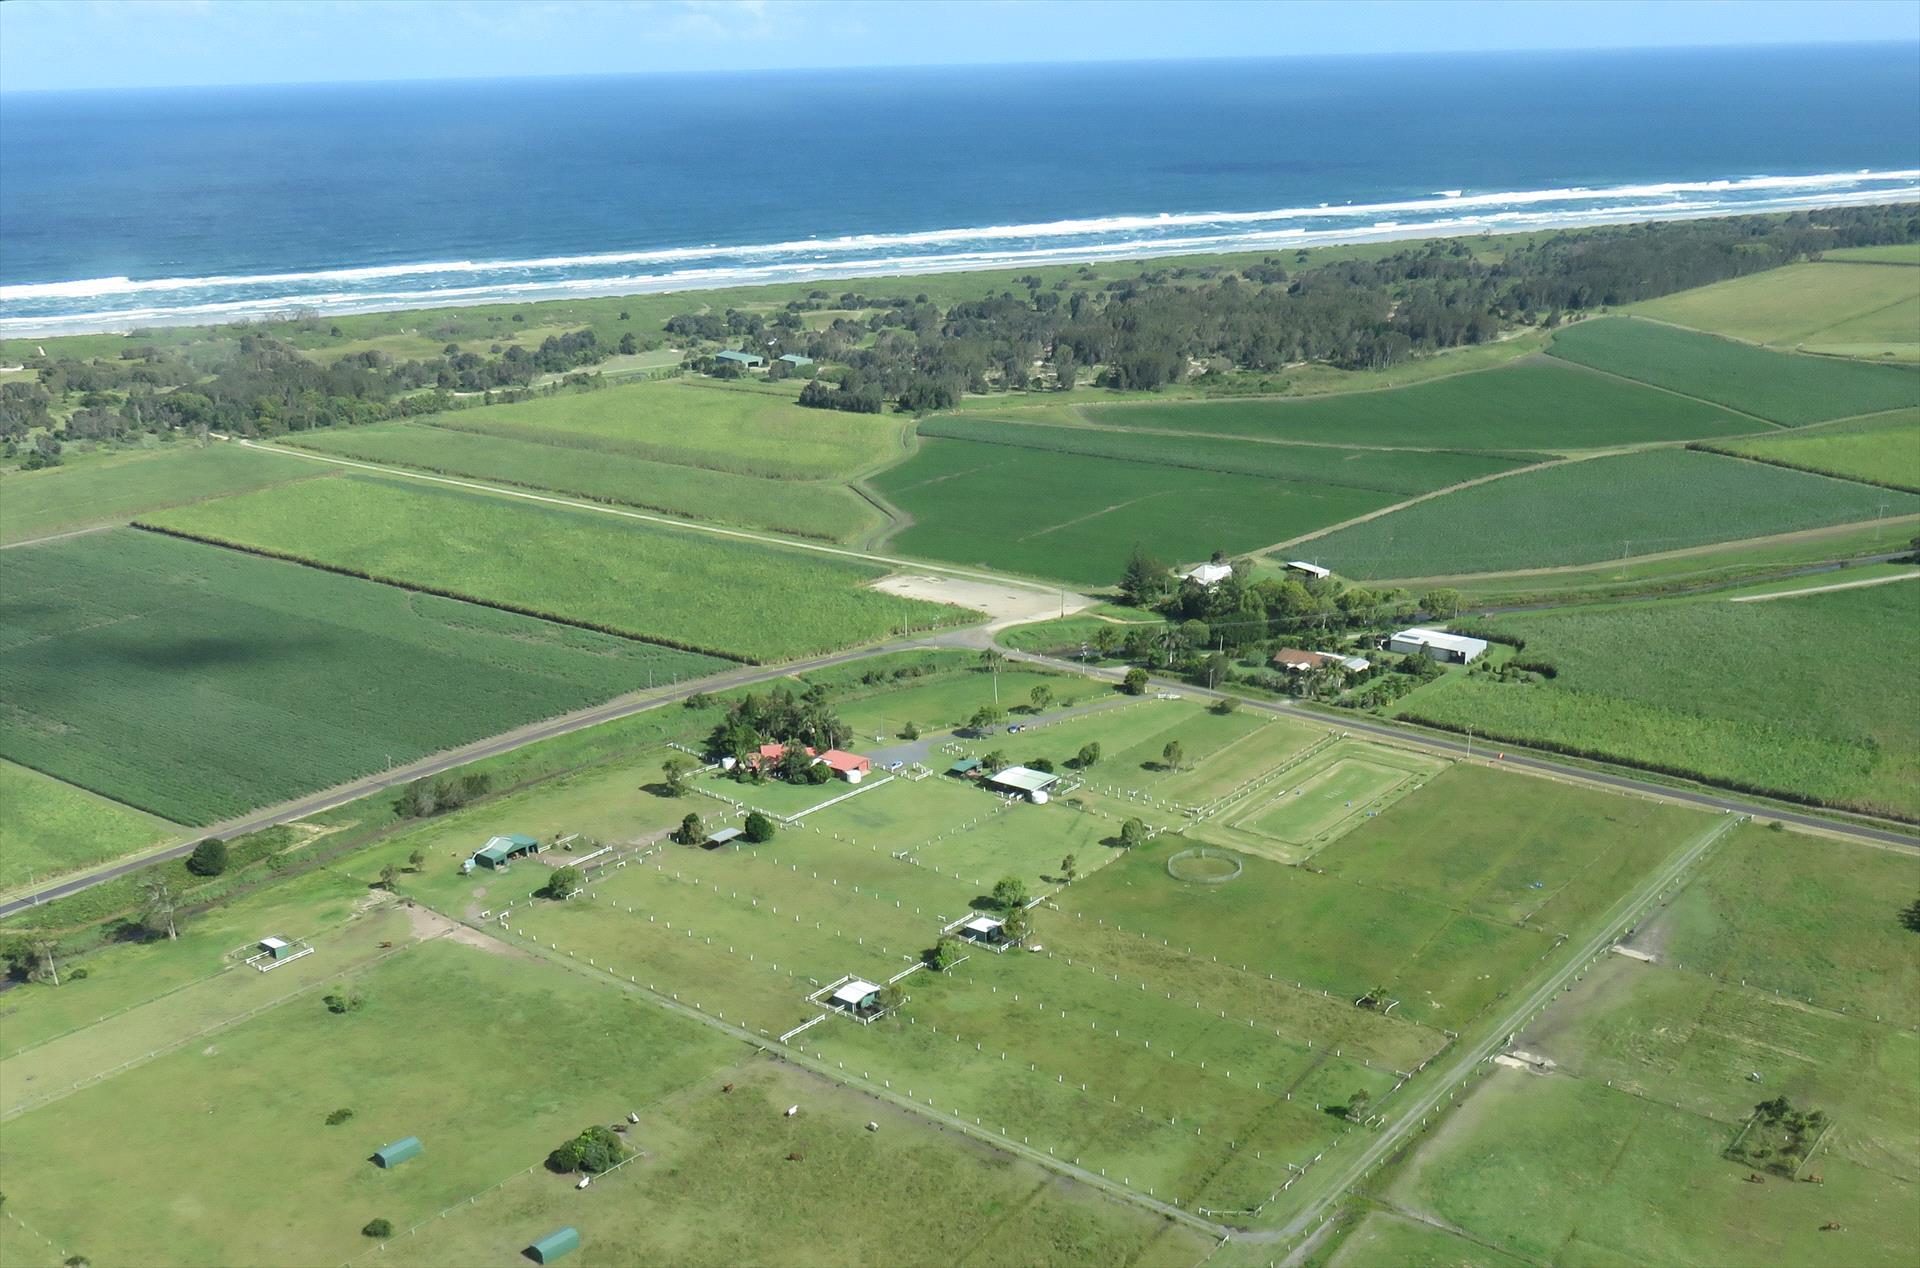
(499, 850)
(739, 358)
(555, 1244)
(391, 1156)
(966, 766)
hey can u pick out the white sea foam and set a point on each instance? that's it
(120, 302)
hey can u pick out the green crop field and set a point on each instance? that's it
(1385, 471)
(1828, 714)
(51, 827)
(685, 588)
(117, 487)
(804, 509)
(1907, 253)
(747, 429)
(1884, 449)
(1540, 404)
(1784, 387)
(198, 683)
(1078, 518)
(1810, 306)
(1600, 508)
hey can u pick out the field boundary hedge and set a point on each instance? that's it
(1708, 447)
(264, 552)
(1660, 768)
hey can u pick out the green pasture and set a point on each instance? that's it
(1539, 404)
(1179, 1101)
(1565, 1171)
(949, 700)
(117, 487)
(681, 587)
(50, 827)
(922, 1194)
(1883, 449)
(1814, 919)
(1078, 517)
(1602, 508)
(491, 1059)
(1379, 470)
(167, 989)
(1515, 848)
(776, 796)
(1778, 386)
(1321, 931)
(1676, 686)
(1381, 1239)
(801, 508)
(746, 429)
(198, 683)
(1682, 1038)
(1907, 253)
(1816, 307)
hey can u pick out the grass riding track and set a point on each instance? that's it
(1823, 715)
(1784, 387)
(1600, 508)
(199, 683)
(679, 587)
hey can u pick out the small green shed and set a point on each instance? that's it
(391, 1156)
(499, 851)
(549, 1248)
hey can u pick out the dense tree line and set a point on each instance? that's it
(1168, 324)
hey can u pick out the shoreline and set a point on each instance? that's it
(267, 310)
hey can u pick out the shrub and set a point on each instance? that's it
(690, 831)
(595, 1149)
(564, 883)
(343, 1001)
(209, 858)
(378, 1228)
(338, 1117)
(1135, 683)
(758, 828)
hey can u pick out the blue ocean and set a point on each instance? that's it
(129, 209)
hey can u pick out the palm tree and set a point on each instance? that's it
(991, 660)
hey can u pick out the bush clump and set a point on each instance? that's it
(380, 1228)
(593, 1150)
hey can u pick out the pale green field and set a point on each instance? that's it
(746, 429)
(113, 488)
(1814, 307)
(1907, 253)
(51, 827)
(1881, 448)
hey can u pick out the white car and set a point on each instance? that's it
(896, 765)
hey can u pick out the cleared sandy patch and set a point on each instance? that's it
(1003, 605)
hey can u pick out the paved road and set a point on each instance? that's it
(627, 706)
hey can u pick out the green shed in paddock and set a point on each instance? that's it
(391, 1156)
(554, 1245)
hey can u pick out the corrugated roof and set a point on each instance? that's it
(725, 835)
(1440, 638)
(840, 759)
(855, 991)
(965, 766)
(1024, 778)
(983, 924)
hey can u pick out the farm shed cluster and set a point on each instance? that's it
(1025, 781)
(849, 766)
(1454, 649)
(1294, 660)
